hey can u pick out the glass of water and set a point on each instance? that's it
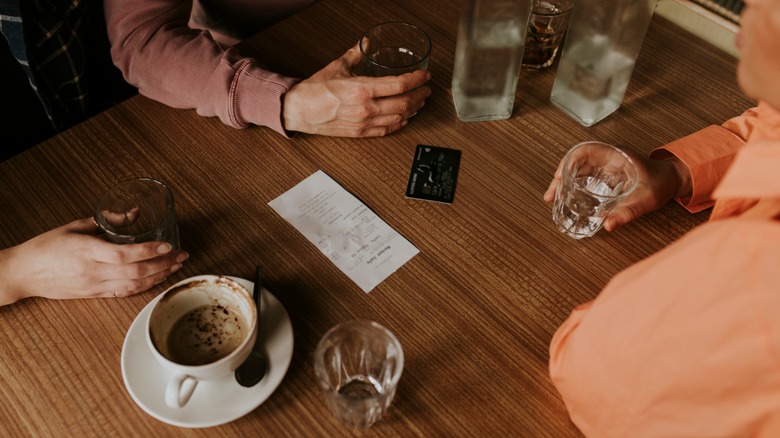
(392, 49)
(596, 178)
(138, 210)
(358, 365)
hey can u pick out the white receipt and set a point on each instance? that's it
(352, 236)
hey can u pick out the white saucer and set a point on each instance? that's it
(213, 402)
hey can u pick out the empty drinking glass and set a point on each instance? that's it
(358, 365)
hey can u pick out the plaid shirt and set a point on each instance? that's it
(63, 47)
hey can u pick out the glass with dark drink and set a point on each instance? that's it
(548, 23)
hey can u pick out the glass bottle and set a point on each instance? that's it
(598, 58)
(488, 56)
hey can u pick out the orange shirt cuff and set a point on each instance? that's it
(707, 153)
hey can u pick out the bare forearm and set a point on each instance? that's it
(9, 292)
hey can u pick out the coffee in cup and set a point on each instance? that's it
(202, 328)
(206, 334)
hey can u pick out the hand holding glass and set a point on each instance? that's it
(596, 178)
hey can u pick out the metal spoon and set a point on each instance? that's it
(254, 367)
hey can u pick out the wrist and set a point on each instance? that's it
(682, 176)
(9, 290)
(290, 115)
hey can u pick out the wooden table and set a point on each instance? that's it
(475, 310)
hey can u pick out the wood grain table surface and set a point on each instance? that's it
(475, 310)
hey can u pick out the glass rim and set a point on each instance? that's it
(633, 176)
(425, 56)
(569, 6)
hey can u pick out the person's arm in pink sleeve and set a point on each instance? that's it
(707, 154)
(157, 52)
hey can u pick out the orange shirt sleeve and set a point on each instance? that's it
(708, 153)
(684, 343)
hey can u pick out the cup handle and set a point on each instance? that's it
(179, 390)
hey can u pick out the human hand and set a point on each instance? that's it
(658, 182)
(73, 262)
(335, 102)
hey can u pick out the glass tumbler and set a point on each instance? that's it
(358, 365)
(392, 49)
(138, 210)
(595, 179)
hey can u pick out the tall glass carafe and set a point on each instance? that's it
(599, 54)
(488, 57)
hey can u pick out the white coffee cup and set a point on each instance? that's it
(202, 328)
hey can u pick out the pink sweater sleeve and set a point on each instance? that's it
(157, 52)
(708, 153)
